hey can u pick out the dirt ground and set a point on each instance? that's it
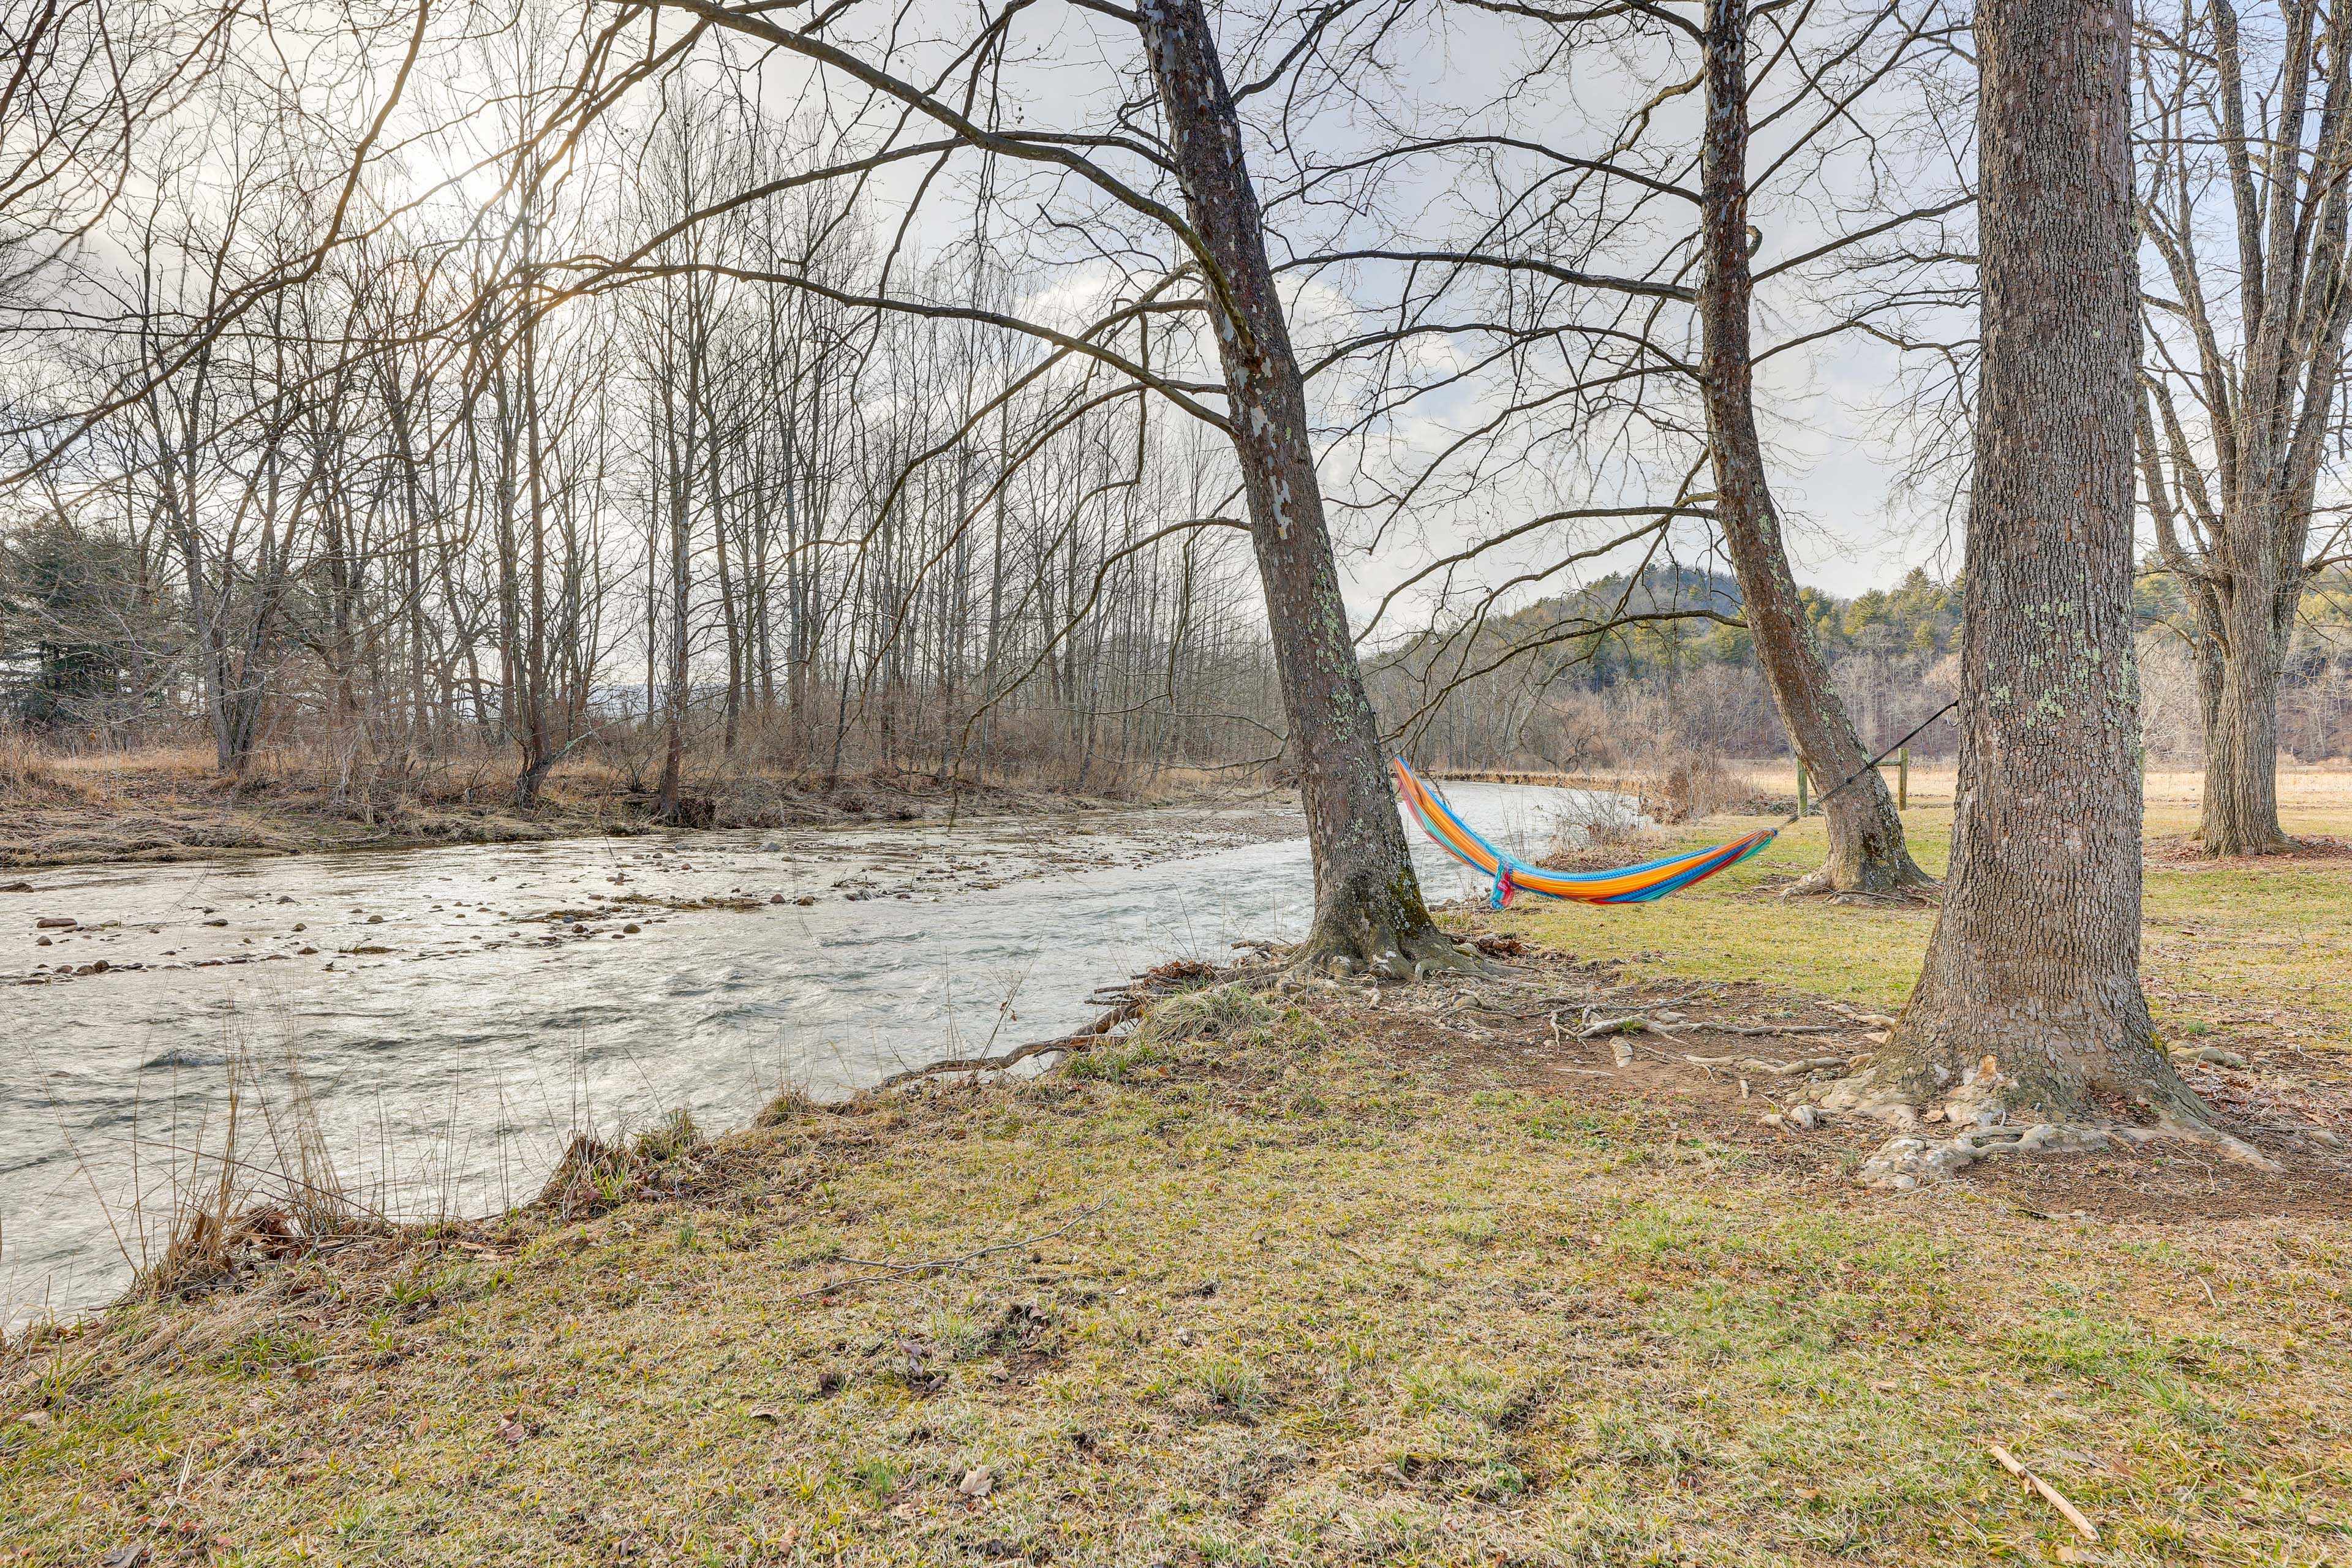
(2293, 1104)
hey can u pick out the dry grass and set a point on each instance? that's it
(1276, 1297)
(171, 804)
(27, 773)
(2169, 792)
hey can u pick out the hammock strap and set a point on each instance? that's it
(1874, 762)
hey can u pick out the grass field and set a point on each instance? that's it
(2266, 940)
(1365, 1281)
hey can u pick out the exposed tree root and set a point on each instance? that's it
(1909, 1161)
(1384, 951)
(2203, 1134)
(1895, 879)
(2234, 848)
(1980, 1122)
(1085, 1038)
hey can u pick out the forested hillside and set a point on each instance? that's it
(1539, 689)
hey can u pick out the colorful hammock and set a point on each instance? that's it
(1633, 884)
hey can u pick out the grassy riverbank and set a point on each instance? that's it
(1399, 1277)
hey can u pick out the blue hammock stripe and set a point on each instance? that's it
(1639, 884)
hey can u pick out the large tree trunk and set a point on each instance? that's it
(2241, 806)
(2034, 962)
(1367, 903)
(1867, 852)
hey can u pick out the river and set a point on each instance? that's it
(456, 1013)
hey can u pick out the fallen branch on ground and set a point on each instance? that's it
(2050, 1494)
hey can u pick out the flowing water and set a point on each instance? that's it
(458, 1013)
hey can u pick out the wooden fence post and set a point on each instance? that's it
(1903, 781)
(1804, 798)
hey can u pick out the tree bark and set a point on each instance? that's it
(2035, 963)
(1368, 903)
(1866, 852)
(2240, 812)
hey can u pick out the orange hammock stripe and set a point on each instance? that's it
(1630, 885)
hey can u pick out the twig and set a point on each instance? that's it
(2050, 1494)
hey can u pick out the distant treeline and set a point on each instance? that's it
(1540, 689)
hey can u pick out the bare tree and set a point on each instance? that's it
(2245, 354)
(1866, 847)
(1369, 907)
(2030, 999)
(1368, 904)
(1610, 376)
(82, 83)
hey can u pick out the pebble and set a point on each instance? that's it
(2220, 1057)
(56, 922)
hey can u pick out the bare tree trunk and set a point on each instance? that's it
(2034, 967)
(2240, 814)
(669, 799)
(1367, 903)
(1867, 851)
